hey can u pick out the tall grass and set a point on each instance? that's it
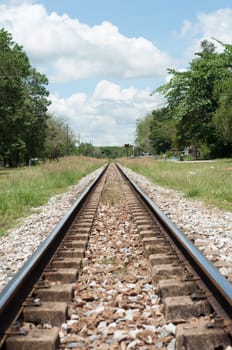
(207, 181)
(25, 188)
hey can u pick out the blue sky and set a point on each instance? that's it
(104, 57)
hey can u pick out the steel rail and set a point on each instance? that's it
(219, 286)
(16, 291)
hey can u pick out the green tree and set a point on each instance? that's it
(223, 91)
(223, 116)
(23, 104)
(110, 152)
(59, 139)
(143, 127)
(35, 113)
(86, 149)
(192, 100)
(14, 69)
(162, 130)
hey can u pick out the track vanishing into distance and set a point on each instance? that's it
(116, 273)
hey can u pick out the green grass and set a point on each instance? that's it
(210, 182)
(25, 188)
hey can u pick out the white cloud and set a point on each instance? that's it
(66, 49)
(108, 117)
(186, 28)
(217, 24)
(105, 90)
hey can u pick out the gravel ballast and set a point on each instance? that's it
(20, 243)
(209, 227)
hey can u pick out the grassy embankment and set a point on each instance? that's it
(25, 188)
(210, 182)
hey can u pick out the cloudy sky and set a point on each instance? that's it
(104, 57)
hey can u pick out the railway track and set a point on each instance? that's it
(115, 274)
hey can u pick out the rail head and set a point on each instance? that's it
(214, 281)
(16, 291)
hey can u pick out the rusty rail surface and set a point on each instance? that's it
(219, 290)
(14, 294)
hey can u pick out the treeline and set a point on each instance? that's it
(198, 113)
(110, 152)
(27, 131)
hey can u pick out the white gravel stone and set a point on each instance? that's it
(19, 244)
(168, 329)
(171, 345)
(209, 226)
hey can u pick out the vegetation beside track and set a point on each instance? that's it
(210, 181)
(25, 188)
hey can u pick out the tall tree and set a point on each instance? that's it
(162, 130)
(223, 91)
(86, 149)
(35, 113)
(14, 69)
(59, 140)
(223, 116)
(192, 100)
(143, 127)
(23, 104)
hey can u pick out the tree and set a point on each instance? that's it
(34, 114)
(143, 134)
(86, 149)
(223, 91)
(192, 100)
(110, 152)
(162, 131)
(23, 104)
(14, 68)
(223, 116)
(59, 139)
